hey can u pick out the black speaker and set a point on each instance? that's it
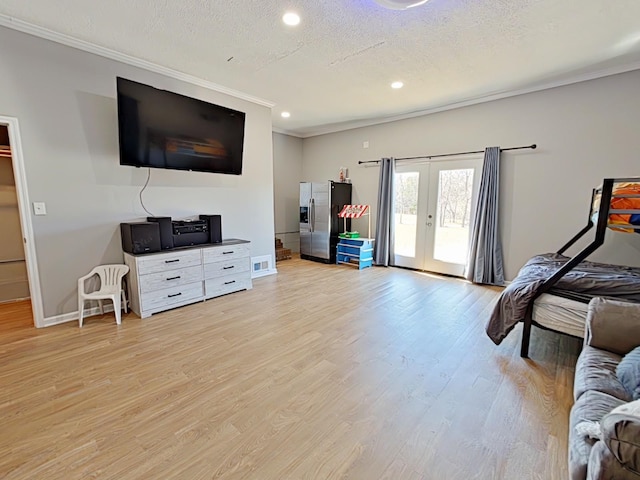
(166, 231)
(141, 237)
(215, 227)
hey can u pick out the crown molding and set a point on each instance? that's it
(286, 132)
(61, 38)
(340, 127)
(41, 32)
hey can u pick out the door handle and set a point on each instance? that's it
(313, 215)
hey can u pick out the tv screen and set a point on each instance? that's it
(162, 129)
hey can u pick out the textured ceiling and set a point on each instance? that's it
(337, 65)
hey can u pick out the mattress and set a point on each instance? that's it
(560, 314)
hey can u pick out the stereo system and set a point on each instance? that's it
(165, 231)
(142, 237)
(162, 233)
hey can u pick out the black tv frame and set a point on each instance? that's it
(208, 137)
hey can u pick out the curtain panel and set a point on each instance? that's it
(383, 249)
(485, 263)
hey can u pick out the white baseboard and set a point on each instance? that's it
(74, 316)
(90, 312)
(264, 273)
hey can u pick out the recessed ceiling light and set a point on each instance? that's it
(285, 114)
(291, 18)
(397, 85)
(400, 4)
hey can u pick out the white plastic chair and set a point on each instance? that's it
(110, 288)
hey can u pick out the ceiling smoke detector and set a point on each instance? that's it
(399, 4)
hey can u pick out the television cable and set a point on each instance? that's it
(143, 189)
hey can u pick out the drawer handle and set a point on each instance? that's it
(227, 253)
(173, 278)
(229, 283)
(172, 261)
(228, 268)
(174, 295)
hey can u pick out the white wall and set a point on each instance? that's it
(584, 132)
(287, 174)
(64, 100)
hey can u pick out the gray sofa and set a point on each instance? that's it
(612, 330)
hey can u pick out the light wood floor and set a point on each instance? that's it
(319, 372)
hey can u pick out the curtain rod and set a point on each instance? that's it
(533, 147)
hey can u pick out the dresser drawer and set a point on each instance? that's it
(216, 254)
(214, 287)
(226, 267)
(168, 261)
(170, 296)
(171, 278)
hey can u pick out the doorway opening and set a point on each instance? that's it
(20, 298)
(433, 213)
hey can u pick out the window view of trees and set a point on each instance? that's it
(406, 197)
(454, 199)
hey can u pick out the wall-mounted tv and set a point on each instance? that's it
(162, 129)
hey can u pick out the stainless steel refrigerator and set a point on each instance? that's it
(320, 203)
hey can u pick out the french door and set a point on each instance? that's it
(434, 206)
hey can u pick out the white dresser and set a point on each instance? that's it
(165, 280)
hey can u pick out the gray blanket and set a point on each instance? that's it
(585, 281)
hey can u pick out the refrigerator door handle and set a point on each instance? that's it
(312, 214)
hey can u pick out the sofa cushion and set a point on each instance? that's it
(604, 466)
(613, 325)
(621, 432)
(596, 370)
(628, 372)
(591, 406)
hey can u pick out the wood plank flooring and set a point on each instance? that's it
(319, 372)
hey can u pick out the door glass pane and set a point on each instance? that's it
(455, 189)
(406, 213)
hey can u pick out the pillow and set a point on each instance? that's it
(621, 433)
(628, 372)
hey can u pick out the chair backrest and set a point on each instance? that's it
(110, 274)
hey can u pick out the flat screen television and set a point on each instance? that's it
(162, 129)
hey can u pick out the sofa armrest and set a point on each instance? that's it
(612, 325)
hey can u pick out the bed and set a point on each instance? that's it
(552, 290)
(560, 314)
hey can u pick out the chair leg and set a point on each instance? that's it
(80, 311)
(116, 308)
(124, 301)
(101, 307)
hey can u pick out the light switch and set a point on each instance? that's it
(39, 208)
(365, 144)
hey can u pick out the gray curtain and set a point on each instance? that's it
(383, 249)
(485, 254)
